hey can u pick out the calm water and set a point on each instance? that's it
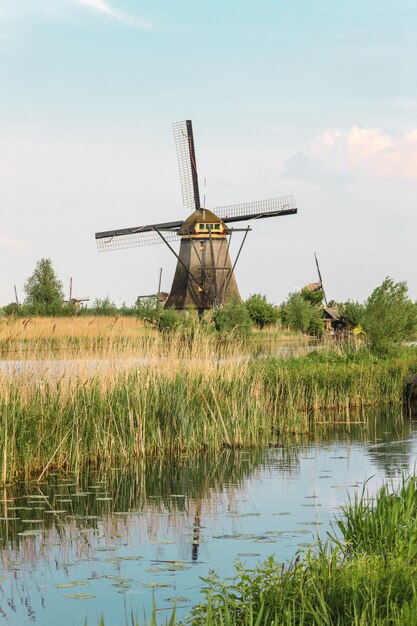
(120, 537)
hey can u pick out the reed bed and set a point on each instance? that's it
(87, 337)
(116, 416)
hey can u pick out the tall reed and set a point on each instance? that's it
(119, 415)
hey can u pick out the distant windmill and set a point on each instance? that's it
(76, 302)
(204, 276)
(160, 296)
(313, 287)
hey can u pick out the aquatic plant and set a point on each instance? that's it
(66, 419)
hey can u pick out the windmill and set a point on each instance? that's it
(313, 287)
(204, 276)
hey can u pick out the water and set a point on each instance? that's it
(124, 536)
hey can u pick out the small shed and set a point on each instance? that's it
(332, 320)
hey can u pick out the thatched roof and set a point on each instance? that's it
(331, 312)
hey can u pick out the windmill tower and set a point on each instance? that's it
(204, 275)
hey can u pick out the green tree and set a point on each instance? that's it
(390, 317)
(44, 293)
(299, 314)
(352, 313)
(103, 306)
(261, 311)
(233, 318)
(313, 297)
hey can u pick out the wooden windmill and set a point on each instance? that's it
(204, 276)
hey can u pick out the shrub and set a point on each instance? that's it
(261, 311)
(299, 314)
(390, 317)
(233, 318)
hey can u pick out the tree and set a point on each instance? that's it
(261, 311)
(299, 314)
(390, 317)
(233, 318)
(103, 306)
(44, 293)
(313, 297)
(352, 313)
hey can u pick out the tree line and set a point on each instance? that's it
(385, 320)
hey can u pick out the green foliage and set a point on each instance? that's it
(103, 306)
(148, 308)
(313, 297)
(299, 314)
(44, 293)
(352, 313)
(390, 317)
(261, 311)
(234, 318)
(169, 320)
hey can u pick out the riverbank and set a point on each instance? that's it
(175, 408)
(366, 575)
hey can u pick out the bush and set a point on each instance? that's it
(147, 308)
(352, 313)
(313, 297)
(299, 314)
(261, 311)
(390, 317)
(233, 318)
(103, 306)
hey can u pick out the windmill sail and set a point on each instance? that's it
(136, 236)
(255, 210)
(184, 142)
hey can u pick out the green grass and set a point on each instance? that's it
(112, 416)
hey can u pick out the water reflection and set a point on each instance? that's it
(118, 537)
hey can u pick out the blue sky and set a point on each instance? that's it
(314, 98)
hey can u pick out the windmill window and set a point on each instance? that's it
(217, 226)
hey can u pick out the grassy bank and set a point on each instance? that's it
(184, 407)
(365, 576)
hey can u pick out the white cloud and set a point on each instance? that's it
(359, 150)
(104, 8)
(11, 243)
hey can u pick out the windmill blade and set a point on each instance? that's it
(320, 279)
(137, 236)
(257, 210)
(184, 142)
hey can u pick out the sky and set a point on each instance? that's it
(314, 98)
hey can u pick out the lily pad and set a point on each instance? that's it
(79, 596)
(73, 583)
(177, 599)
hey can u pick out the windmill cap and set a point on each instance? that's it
(202, 216)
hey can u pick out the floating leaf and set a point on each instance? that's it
(74, 583)
(248, 554)
(156, 585)
(178, 599)
(79, 596)
(30, 533)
